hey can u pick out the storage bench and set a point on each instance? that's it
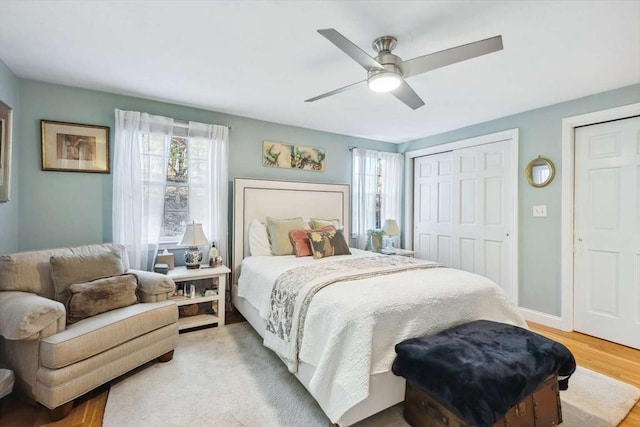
(483, 373)
(540, 409)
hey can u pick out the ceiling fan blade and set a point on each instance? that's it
(354, 52)
(334, 92)
(429, 62)
(407, 95)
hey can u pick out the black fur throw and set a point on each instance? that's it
(481, 369)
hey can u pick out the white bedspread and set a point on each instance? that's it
(352, 327)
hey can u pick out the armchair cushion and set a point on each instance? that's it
(67, 270)
(31, 271)
(24, 315)
(25, 271)
(104, 331)
(101, 295)
(152, 283)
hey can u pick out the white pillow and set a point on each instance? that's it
(258, 239)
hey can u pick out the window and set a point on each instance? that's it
(378, 193)
(166, 174)
(176, 194)
(185, 165)
(375, 190)
(168, 177)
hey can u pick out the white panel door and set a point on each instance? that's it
(483, 212)
(432, 207)
(464, 210)
(607, 231)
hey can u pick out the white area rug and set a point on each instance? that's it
(225, 377)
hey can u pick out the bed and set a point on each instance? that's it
(349, 330)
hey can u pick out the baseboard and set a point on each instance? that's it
(542, 318)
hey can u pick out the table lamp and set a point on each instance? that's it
(193, 237)
(390, 229)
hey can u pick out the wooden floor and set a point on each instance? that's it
(611, 359)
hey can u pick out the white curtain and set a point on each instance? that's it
(139, 177)
(208, 182)
(363, 197)
(391, 165)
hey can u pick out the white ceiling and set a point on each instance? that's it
(261, 59)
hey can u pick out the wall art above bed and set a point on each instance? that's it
(279, 155)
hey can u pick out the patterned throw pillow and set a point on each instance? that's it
(300, 240)
(328, 243)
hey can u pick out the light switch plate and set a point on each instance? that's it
(540, 210)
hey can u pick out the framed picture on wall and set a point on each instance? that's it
(6, 125)
(74, 147)
(279, 155)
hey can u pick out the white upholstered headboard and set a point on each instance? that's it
(259, 198)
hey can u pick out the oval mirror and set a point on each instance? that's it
(540, 172)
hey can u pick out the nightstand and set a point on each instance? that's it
(401, 252)
(217, 301)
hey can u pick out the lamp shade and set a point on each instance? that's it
(194, 236)
(391, 228)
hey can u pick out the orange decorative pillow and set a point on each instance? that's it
(300, 240)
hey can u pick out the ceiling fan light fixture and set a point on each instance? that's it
(385, 81)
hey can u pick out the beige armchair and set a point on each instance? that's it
(55, 362)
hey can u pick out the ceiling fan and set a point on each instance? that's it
(387, 72)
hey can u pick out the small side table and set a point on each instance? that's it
(183, 274)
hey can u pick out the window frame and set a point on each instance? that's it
(172, 242)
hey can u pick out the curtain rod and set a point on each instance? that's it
(353, 147)
(185, 124)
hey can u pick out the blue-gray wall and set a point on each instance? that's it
(540, 135)
(52, 209)
(9, 210)
(67, 208)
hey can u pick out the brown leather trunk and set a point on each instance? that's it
(539, 409)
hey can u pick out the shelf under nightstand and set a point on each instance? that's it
(181, 275)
